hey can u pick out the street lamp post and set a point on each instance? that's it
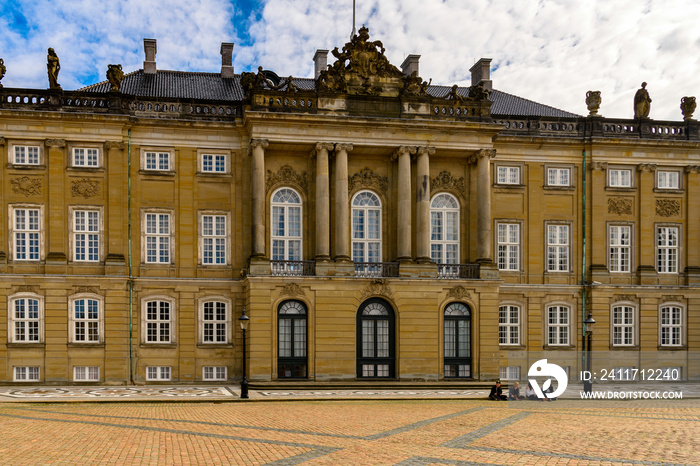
(588, 384)
(244, 320)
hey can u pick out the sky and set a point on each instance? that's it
(549, 51)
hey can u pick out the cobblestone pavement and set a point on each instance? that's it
(352, 432)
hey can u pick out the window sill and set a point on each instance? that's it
(509, 186)
(215, 175)
(17, 166)
(25, 345)
(214, 345)
(558, 188)
(559, 348)
(158, 345)
(158, 173)
(503, 347)
(74, 168)
(624, 348)
(669, 190)
(672, 348)
(621, 189)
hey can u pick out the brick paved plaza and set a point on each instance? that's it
(347, 432)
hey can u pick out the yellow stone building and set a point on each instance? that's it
(374, 227)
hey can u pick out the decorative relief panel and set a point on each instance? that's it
(620, 205)
(459, 292)
(668, 298)
(85, 187)
(366, 178)
(286, 175)
(623, 297)
(24, 289)
(377, 288)
(668, 207)
(292, 289)
(26, 185)
(86, 289)
(445, 180)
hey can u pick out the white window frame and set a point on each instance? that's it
(508, 325)
(26, 233)
(508, 250)
(159, 373)
(86, 156)
(668, 179)
(619, 337)
(74, 321)
(152, 158)
(616, 179)
(13, 320)
(667, 327)
(508, 174)
(203, 155)
(27, 372)
(12, 154)
(226, 322)
(158, 236)
(364, 240)
(668, 255)
(559, 177)
(619, 253)
(74, 233)
(439, 218)
(558, 251)
(216, 239)
(509, 373)
(86, 373)
(562, 330)
(159, 323)
(214, 373)
(286, 238)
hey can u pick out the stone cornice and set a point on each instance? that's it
(55, 143)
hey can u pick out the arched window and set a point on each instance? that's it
(286, 225)
(444, 229)
(366, 227)
(458, 353)
(291, 341)
(26, 319)
(671, 325)
(558, 325)
(375, 339)
(86, 319)
(624, 328)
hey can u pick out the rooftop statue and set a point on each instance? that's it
(478, 93)
(593, 100)
(2, 70)
(414, 85)
(642, 102)
(53, 66)
(688, 107)
(453, 95)
(115, 76)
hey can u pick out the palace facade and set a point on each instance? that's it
(374, 227)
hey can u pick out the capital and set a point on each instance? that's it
(321, 146)
(481, 153)
(599, 166)
(425, 150)
(263, 143)
(403, 150)
(114, 145)
(692, 169)
(2, 141)
(55, 143)
(646, 167)
(347, 147)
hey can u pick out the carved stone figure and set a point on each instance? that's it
(291, 87)
(593, 100)
(478, 93)
(453, 95)
(642, 102)
(53, 66)
(414, 85)
(687, 107)
(115, 76)
(2, 70)
(247, 81)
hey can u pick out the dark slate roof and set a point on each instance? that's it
(210, 86)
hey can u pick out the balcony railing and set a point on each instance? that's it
(468, 271)
(376, 269)
(293, 268)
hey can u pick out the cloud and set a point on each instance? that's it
(549, 51)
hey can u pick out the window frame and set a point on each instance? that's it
(159, 376)
(568, 325)
(366, 241)
(559, 247)
(172, 321)
(676, 248)
(508, 169)
(286, 238)
(376, 360)
(13, 320)
(679, 178)
(72, 210)
(634, 325)
(201, 238)
(559, 169)
(87, 374)
(99, 160)
(510, 325)
(608, 177)
(227, 321)
(157, 150)
(12, 153)
(682, 325)
(201, 153)
(27, 370)
(444, 243)
(214, 377)
(73, 320)
(12, 226)
(509, 223)
(145, 235)
(629, 247)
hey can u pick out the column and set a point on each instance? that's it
(257, 147)
(323, 199)
(647, 236)
(403, 154)
(484, 245)
(598, 241)
(342, 205)
(56, 212)
(423, 204)
(114, 151)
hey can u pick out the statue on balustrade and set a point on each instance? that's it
(2, 70)
(593, 100)
(453, 95)
(115, 75)
(642, 103)
(688, 107)
(53, 66)
(414, 85)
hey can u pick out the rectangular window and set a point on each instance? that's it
(619, 178)
(619, 244)
(86, 321)
(509, 325)
(214, 239)
(558, 325)
(510, 372)
(27, 230)
(213, 163)
(86, 235)
(158, 316)
(215, 322)
(508, 175)
(623, 326)
(157, 238)
(558, 177)
(509, 246)
(26, 155)
(671, 326)
(26, 374)
(558, 248)
(26, 320)
(86, 373)
(667, 249)
(155, 373)
(159, 161)
(214, 373)
(668, 179)
(85, 157)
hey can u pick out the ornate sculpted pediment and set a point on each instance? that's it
(445, 180)
(286, 175)
(368, 179)
(377, 288)
(459, 292)
(292, 289)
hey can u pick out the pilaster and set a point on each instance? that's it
(692, 270)
(116, 193)
(646, 270)
(56, 212)
(598, 240)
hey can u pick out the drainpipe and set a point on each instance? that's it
(131, 278)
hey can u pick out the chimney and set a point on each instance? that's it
(410, 64)
(226, 60)
(149, 65)
(481, 73)
(320, 62)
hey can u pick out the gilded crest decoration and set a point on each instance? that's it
(668, 207)
(292, 289)
(86, 188)
(26, 185)
(368, 179)
(445, 180)
(459, 292)
(286, 175)
(620, 205)
(376, 288)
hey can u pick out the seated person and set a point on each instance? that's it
(530, 393)
(497, 392)
(514, 392)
